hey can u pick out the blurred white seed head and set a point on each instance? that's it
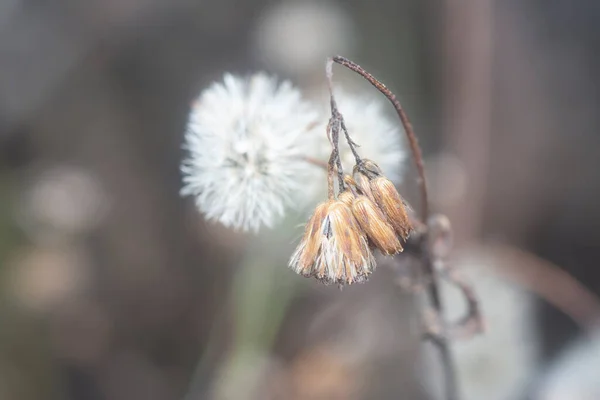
(380, 139)
(47, 277)
(296, 37)
(246, 140)
(63, 202)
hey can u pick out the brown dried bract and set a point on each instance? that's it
(364, 185)
(374, 224)
(347, 197)
(390, 202)
(309, 247)
(334, 249)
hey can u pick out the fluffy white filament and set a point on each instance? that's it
(246, 139)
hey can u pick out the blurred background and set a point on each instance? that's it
(112, 286)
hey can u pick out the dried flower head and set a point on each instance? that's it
(246, 140)
(363, 183)
(347, 197)
(334, 248)
(390, 202)
(374, 224)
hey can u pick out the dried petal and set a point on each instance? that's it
(390, 202)
(346, 197)
(375, 225)
(334, 249)
(364, 185)
(310, 245)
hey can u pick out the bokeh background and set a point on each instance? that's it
(112, 286)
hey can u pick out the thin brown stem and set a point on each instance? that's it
(335, 162)
(412, 138)
(548, 281)
(333, 129)
(471, 324)
(331, 166)
(316, 162)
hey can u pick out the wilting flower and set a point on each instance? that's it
(246, 140)
(370, 218)
(370, 180)
(334, 249)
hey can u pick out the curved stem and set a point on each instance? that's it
(412, 138)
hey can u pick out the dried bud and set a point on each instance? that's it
(334, 248)
(370, 167)
(347, 197)
(364, 185)
(373, 222)
(390, 202)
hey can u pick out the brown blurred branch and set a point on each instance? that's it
(467, 38)
(471, 324)
(549, 282)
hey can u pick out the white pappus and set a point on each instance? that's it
(246, 140)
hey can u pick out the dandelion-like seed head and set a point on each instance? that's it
(246, 139)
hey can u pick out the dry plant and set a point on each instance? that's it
(250, 144)
(429, 244)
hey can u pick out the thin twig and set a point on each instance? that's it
(408, 129)
(333, 130)
(351, 143)
(548, 281)
(471, 324)
(451, 385)
(335, 114)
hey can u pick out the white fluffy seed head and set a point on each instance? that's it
(380, 138)
(246, 139)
